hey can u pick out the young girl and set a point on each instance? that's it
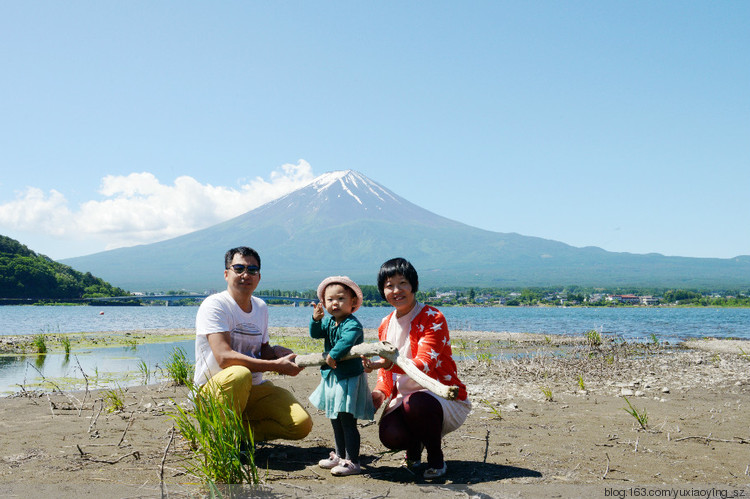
(343, 392)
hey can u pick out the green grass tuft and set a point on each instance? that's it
(66, 344)
(218, 439)
(39, 343)
(179, 369)
(547, 391)
(593, 337)
(145, 371)
(640, 416)
(496, 413)
(114, 399)
(581, 384)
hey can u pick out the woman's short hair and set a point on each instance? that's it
(398, 266)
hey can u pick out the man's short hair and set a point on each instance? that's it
(242, 250)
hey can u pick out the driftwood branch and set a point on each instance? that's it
(604, 477)
(136, 455)
(130, 422)
(387, 351)
(164, 457)
(736, 440)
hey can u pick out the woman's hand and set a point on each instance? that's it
(378, 398)
(371, 365)
(318, 312)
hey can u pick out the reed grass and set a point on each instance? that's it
(640, 416)
(223, 450)
(485, 357)
(593, 337)
(114, 399)
(547, 391)
(179, 369)
(496, 413)
(40, 343)
(145, 371)
(66, 344)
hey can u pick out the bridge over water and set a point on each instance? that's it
(170, 298)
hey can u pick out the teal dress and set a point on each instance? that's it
(343, 389)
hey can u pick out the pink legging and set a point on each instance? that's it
(417, 422)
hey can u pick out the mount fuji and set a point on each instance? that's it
(345, 223)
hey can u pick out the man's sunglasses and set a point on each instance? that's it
(241, 269)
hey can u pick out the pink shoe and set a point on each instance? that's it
(332, 461)
(346, 468)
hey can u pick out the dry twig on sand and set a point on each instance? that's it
(130, 422)
(735, 440)
(95, 418)
(164, 457)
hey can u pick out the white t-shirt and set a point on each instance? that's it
(218, 313)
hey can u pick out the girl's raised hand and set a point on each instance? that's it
(318, 312)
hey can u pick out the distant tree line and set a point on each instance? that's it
(577, 295)
(26, 274)
(540, 296)
(370, 294)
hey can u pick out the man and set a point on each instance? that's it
(232, 351)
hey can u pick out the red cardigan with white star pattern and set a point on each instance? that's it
(430, 348)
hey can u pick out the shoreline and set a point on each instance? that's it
(541, 425)
(23, 344)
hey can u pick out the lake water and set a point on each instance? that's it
(632, 324)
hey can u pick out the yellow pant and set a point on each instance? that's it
(269, 411)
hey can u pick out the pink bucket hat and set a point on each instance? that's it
(341, 279)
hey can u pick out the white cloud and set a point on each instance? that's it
(33, 211)
(139, 209)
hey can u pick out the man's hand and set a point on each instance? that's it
(280, 351)
(286, 365)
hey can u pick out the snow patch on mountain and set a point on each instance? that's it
(348, 191)
(354, 184)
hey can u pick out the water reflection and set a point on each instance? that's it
(104, 367)
(39, 361)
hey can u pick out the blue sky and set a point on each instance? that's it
(622, 125)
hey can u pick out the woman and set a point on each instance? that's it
(414, 418)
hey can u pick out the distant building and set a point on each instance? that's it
(649, 300)
(630, 299)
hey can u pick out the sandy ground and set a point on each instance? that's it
(549, 420)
